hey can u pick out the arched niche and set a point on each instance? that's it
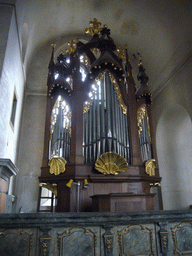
(174, 140)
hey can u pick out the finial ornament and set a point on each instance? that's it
(140, 59)
(95, 30)
(72, 46)
(121, 52)
(53, 45)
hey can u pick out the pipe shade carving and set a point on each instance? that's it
(111, 163)
(57, 165)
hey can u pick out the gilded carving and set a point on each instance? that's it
(85, 60)
(121, 52)
(165, 241)
(72, 46)
(155, 184)
(111, 163)
(66, 114)
(117, 90)
(94, 30)
(95, 51)
(109, 242)
(45, 248)
(141, 113)
(57, 165)
(150, 166)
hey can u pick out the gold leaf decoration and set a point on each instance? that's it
(94, 30)
(111, 163)
(100, 77)
(141, 113)
(150, 166)
(57, 164)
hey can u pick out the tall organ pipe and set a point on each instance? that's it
(98, 123)
(102, 111)
(94, 123)
(108, 112)
(105, 124)
(114, 123)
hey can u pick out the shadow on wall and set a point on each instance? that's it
(174, 151)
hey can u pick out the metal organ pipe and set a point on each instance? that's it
(94, 124)
(108, 112)
(145, 144)
(105, 124)
(98, 123)
(114, 121)
(117, 122)
(102, 111)
(60, 140)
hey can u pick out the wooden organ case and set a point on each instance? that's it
(99, 150)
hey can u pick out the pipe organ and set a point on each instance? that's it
(96, 117)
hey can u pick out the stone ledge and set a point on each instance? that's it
(39, 220)
(7, 168)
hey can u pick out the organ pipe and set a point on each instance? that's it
(106, 125)
(144, 133)
(60, 134)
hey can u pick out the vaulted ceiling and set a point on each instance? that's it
(161, 31)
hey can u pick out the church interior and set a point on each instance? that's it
(96, 125)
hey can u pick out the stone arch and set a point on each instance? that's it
(174, 140)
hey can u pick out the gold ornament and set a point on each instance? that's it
(150, 166)
(111, 163)
(95, 30)
(57, 165)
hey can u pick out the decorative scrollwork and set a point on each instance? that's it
(117, 90)
(141, 113)
(150, 166)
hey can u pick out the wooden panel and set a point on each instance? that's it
(3, 187)
(63, 197)
(128, 206)
(123, 202)
(105, 188)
